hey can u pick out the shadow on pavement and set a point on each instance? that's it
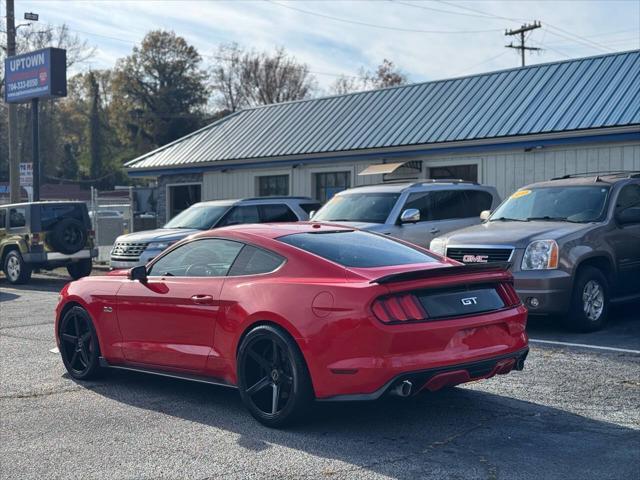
(38, 283)
(622, 330)
(458, 433)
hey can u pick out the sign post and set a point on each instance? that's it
(30, 77)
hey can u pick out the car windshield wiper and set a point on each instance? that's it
(507, 219)
(549, 218)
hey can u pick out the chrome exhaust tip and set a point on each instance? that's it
(403, 389)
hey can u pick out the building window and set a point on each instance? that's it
(327, 184)
(273, 185)
(463, 172)
(182, 197)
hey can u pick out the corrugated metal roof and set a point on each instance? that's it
(587, 93)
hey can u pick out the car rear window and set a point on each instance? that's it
(353, 248)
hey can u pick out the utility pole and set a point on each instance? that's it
(521, 31)
(14, 161)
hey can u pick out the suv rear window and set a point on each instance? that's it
(310, 207)
(357, 249)
(52, 214)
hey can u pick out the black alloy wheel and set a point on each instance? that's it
(79, 344)
(273, 378)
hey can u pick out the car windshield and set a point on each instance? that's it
(358, 207)
(357, 249)
(571, 204)
(200, 217)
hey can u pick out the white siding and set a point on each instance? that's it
(507, 170)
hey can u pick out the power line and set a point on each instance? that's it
(422, 7)
(382, 27)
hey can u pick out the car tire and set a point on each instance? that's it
(16, 269)
(275, 388)
(589, 300)
(68, 236)
(79, 346)
(80, 269)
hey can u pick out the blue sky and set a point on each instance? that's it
(428, 39)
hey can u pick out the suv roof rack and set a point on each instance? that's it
(275, 197)
(414, 183)
(598, 174)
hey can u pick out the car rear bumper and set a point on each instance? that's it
(437, 378)
(544, 291)
(366, 363)
(46, 257)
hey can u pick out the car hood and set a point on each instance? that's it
(158, 235)
(518, 234)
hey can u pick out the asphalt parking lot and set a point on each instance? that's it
(573, 413)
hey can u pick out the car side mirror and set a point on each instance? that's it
(628, 215)
(485, 214)
(138, 273)
(410, 215)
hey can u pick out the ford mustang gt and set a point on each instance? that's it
(289, 313)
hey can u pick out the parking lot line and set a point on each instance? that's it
(584, 345)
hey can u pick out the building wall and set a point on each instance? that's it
(507, 170)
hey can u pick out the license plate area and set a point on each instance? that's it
(460, 302)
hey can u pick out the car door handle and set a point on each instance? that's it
(434, 230)
(202, 299)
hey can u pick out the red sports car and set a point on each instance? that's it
(289, 313)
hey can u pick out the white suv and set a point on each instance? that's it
(416, 212)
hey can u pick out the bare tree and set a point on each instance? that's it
(385, 75)
(246, 78)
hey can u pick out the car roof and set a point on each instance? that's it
(44, 202)
(586, 179)
(274, 230)
(265, 200)
(399, 187)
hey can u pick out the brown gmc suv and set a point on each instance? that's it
(573, 242)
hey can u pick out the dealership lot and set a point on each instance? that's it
(572, 413)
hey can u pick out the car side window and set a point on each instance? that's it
(277, 213)
(3, 218)
(17, 217)
(254, 261)
(477, 201)
(420, 201)
(449, 204)
(209, 257)
(628, 197)
(240, 215)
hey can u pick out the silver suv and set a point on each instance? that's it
(141, 247)
(416, 212)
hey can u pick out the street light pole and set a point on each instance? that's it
(14, 162)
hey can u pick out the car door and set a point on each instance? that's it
(441, 211)
(624, 239)
(276, 212)
(169, 319)
(240, 215)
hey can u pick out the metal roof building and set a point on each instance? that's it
(505, 128)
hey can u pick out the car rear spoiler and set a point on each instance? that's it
(444, 271)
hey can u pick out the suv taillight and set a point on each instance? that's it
(92, 233)
(508, 294)
(35, 239)
(398, 308)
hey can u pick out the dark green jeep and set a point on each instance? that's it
(45, 235)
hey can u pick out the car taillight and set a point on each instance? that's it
(35, 239)
(92, 233)
(398, 308)
(508, 294)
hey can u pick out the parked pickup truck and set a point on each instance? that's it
(574, 244)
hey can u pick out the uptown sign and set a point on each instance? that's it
(39, 74)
